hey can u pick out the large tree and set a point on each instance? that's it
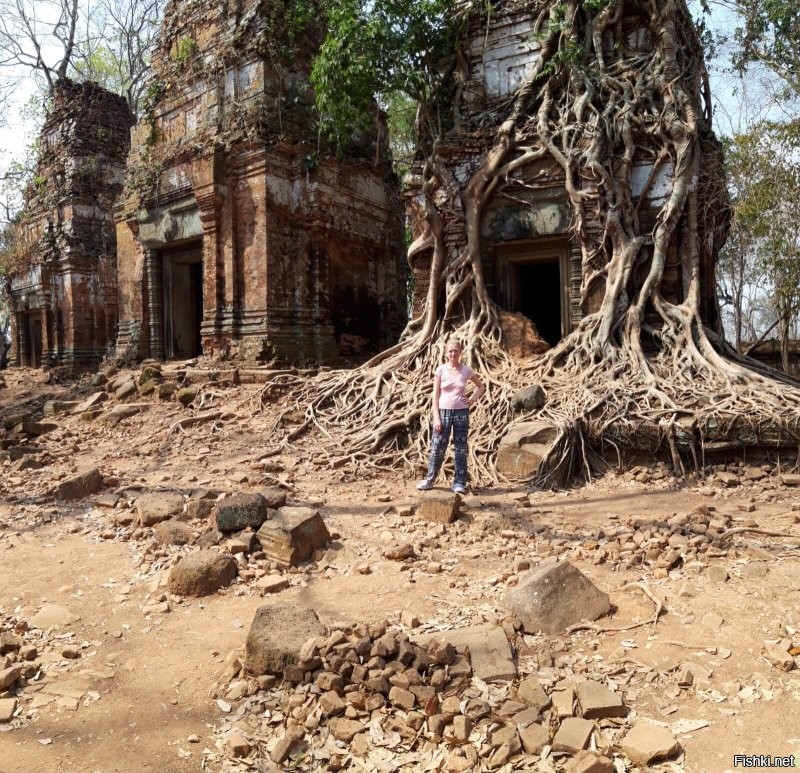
(645, 369)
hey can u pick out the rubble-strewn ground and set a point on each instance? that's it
(104, 669)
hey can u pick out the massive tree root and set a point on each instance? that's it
(619, 86)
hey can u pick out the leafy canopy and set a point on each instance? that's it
(379, 49)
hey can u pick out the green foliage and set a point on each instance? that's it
(379, 49)
(769, 33)
(185, 49)
(764, 181)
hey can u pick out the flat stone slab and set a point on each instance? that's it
(572, 735)
(645, 743)
(91, 402)
(439, 506)
(159, 506)
(489, 650)
(596, 701)
(555, 597)
(292, 534)
(277, 635)
(52, 616)
(79, 486)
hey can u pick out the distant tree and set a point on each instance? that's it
(41, 36)
(763, 250)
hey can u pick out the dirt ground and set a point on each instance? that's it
(124, 672)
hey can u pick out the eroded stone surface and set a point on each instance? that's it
(555, 597)
(277, 634)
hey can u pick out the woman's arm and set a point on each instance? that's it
(437, 389)
(472, 399)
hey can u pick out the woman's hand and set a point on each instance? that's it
(437, 424)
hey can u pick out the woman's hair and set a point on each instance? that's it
(454, 342)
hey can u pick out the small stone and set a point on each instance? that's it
(400, 552)
(331, 704)
(272, 583)
(344, 729)
(645, 743)
(171, 532)
(70, 653)
(532, 693)
(755, 570)
(409, 619)
(505, 752)
(284, 747)
(402, 698)
(7, 708)
(437, 723)
(572, 735)
(712, 620)
(236, 745)
(439, 506)
(589, 762)
(717, 573)
(9, 675)
(778, 655)
(562, 703)
(462, 727)
(598, 702)
(534, 738)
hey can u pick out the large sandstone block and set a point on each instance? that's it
(555, 597)
(202, 573)
(292, 534)
(523, 447)
(81, 485)
(528, 399)
(241, 511)
(277, 634)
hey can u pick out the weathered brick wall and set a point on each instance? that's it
(298, 247)
(68, 286)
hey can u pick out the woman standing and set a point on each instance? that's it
(451, 411)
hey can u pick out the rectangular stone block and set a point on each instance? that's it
(293, 534)
(439, 506)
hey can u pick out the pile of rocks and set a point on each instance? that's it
(32, 657)
(372, 694)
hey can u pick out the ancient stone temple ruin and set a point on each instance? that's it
(532, 261)
(64, 291)
(241, 234)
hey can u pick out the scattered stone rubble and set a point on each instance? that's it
(369, 696)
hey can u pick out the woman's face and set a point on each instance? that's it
(453, 354)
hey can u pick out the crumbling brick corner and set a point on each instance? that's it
(64, 282)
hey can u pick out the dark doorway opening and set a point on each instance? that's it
(183, 301)
(532, 278)
(539, 293)
(30, 331)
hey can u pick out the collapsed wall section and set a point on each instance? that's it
(63, 282)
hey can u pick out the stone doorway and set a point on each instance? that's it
(183, 300)
(30, 334)
(533, 279)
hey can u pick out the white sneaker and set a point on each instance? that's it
(458, 489)
(425, 485)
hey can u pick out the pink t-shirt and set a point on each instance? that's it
(451, 394)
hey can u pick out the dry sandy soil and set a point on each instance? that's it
(138, 696)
